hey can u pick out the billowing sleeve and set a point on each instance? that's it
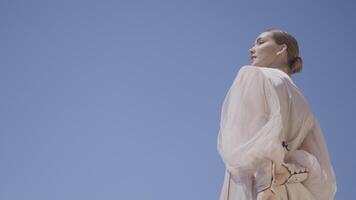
(250, 125)
(321, 181)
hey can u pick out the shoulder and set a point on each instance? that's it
(265, 71)
(251, 78)
(250, 71)
(271, 75)
(256, 73)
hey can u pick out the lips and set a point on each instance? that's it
(253, 57)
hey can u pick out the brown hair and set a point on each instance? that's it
(295, 62)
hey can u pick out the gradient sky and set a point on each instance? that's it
(121, 99)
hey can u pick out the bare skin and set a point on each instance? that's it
(281, 175)
(268, 195)
(267, 53)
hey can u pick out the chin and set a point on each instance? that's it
(255, 64)
(258, 64)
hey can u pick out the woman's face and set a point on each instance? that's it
(265, 50)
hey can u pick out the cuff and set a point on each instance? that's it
(297, 172)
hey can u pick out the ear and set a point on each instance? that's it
(282, 48)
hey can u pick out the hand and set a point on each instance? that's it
(281, 175)
(268, 195)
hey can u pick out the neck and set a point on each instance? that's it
(281, 63)
(284, 68)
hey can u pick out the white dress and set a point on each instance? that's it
(266, 122)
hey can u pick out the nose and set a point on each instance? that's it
(251, 50)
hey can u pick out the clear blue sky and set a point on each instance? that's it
(121, 99)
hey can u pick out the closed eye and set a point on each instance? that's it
(259, 42)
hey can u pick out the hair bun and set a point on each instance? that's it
(296, 64)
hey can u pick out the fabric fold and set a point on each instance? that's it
(266, 123)
(251, 125)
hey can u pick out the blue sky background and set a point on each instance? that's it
(121, 99)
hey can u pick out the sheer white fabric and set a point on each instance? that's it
(265, 121)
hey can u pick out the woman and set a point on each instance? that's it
(270, 141)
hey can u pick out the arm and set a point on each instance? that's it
(310, 164)
(321, 180)
(251, 124)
